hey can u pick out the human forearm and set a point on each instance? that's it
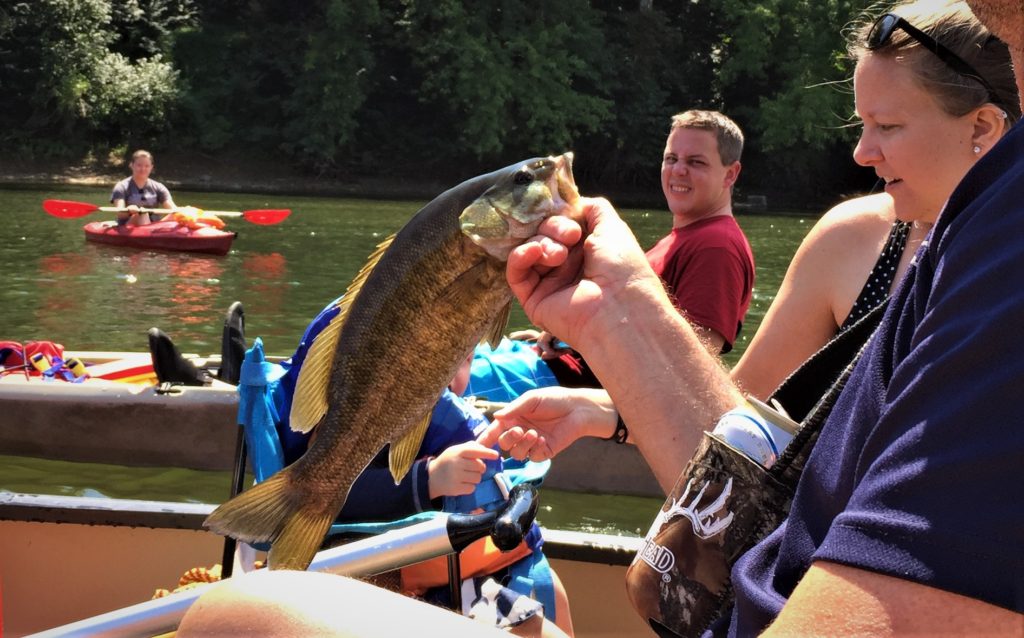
(666, 386)
(601, 295)
(834, 599)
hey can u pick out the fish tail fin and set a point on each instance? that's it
(299, 541)
(257, 514)
(275, 510)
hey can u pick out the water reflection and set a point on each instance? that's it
(266, 283)
(194, 288)
(97, 294)
(595, 513)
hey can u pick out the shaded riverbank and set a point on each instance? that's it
(238, 173)
(226, 173)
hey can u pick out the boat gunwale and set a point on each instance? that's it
(89, 510)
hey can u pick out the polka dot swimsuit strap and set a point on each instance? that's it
(877, 286)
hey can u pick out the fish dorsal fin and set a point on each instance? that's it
(309, 403)
(496, 332)
(403, 451)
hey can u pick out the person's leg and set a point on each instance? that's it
(294, 603)
(562, 614)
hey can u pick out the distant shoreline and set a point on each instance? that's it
(205, 174)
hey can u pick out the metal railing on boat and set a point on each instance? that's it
(356, 559)
(442, 535)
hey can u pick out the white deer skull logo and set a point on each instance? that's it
(704, 521)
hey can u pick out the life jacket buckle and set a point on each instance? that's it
(503, 485)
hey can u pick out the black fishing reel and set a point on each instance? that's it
(506, 526)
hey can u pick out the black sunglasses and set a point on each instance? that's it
(884, 27)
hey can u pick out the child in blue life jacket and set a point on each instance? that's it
(452, 473)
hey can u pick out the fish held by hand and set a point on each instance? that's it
(426, 297)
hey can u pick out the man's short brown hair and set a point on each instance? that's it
(727, 133)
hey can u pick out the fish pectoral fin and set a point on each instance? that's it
(461, 291)
(496, 332)
(403, 451)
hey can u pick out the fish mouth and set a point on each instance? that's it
(565, 183)
(558, 180)
(510, 212)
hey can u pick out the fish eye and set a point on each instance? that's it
(522, 178)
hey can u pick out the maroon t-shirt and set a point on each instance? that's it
(708, 269)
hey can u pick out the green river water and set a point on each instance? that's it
(58, 287)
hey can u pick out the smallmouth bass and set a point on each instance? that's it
(415, 311)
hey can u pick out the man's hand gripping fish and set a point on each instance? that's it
(414, 312)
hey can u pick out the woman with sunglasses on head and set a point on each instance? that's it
(934, 92)
(903, 520)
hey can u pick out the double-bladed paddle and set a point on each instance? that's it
(73, 210)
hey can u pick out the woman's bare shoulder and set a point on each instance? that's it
(866, 210)
(857, 219)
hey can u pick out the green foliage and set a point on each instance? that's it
(131, 99)
(784, 78)
(442, 87)
(330, 85)
(655, 63)
(789, 48)
(48, 51)
(145, 28)
(509, 76)
(63, 84)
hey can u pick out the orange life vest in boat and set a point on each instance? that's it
(481, 558)
(195, 218)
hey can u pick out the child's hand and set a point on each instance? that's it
(457, 470)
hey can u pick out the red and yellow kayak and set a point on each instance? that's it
(162, 235)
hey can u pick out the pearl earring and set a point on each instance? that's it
(977, 149)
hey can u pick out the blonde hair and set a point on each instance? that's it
(952, 24)
(727, 133)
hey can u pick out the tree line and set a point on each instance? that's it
(437, 89)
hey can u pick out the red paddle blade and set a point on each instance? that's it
(68, 210)
(266, 217)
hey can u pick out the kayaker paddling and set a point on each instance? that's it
(139, 191)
